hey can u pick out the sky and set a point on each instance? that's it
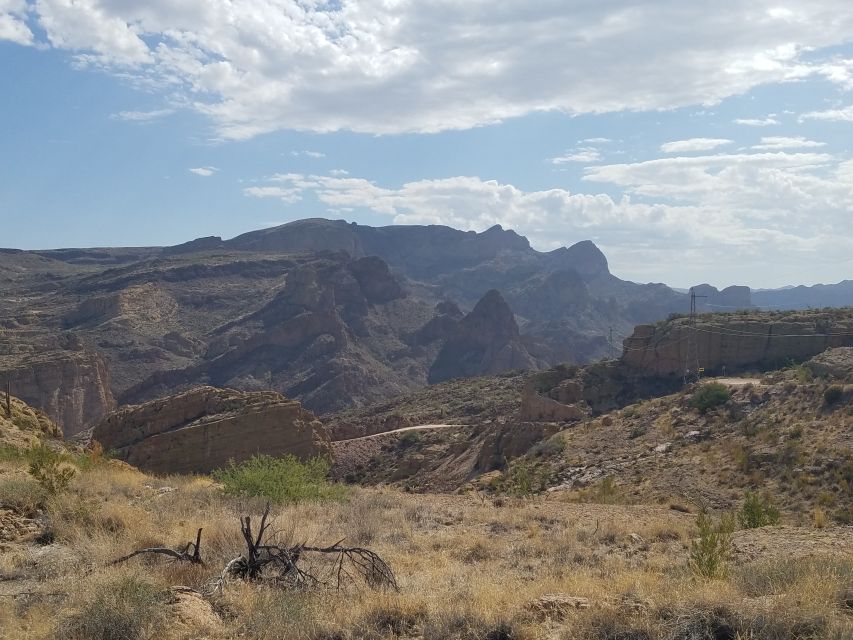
(693, 142)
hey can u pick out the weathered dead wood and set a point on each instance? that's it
(180, 556)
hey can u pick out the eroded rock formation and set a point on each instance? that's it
(71, 387)
(202, 429)
(736, 341)
(486, 341)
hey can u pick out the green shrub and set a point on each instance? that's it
(757, 511)
(833, 394)
(124, 609)
(525, 478)
(709, 552)
(710, 396)
(283, 479)
(22, 495)
(50, 469)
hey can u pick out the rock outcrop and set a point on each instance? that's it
(833, 363)
(486, 341)
(202, 429)
(736, 341)
(71, 387)
(22, 426)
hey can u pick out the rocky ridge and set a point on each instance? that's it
(202, 429)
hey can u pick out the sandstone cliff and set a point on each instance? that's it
(71, 387)
(202, 429)
(486, 341)
(736, 341)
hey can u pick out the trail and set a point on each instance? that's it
(734, 382)
(420, 427)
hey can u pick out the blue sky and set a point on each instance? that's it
(691, 145)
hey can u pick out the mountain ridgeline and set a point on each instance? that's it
(331, 313)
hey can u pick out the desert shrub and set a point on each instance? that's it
(709, 552)
(127, 608)
(607, 492)
(409, 439)
(22, 494)
(525, 478)
(710, 396)
(468, 625)
(50, 469)
(833, 394)
(280, 480)
(553, 446)
(778, 576)
(757, 511)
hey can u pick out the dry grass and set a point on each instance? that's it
(466, 568)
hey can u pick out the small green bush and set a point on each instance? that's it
(709, 552)
(280, 480)
(757, 511)
(124, 609)
(50, 469)
(21, 494)
(832, 395)
(710, 396)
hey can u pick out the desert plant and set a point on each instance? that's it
(22, 494)
(757, 511)
(127, 608)
(710, 396)
(525, 478)
(280, 480)
(833, 394)
(50, 469)
(709, 552)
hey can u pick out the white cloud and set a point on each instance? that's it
(142, 116)
(757, 122)
(693, 144)
(308, 154)
(13, 24)
(844, 114)
(584, 154)
(784, 142)
(730, 213)
(595, 141)
(205, 172)
(285, 195)
(339, 172)
(383, 66)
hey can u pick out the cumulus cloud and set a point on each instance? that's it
(693, 144)
(13, 24)
(308, 154)
(757, 122)
(726, 212)
(205, 172)
(784, 142)
(381, 66)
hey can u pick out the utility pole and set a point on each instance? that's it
(691, 361)
(610, 340)
(9, 399)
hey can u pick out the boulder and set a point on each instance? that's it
(202, 429)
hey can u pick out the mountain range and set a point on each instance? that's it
(332, 313)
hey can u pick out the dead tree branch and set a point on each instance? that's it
(178, 556)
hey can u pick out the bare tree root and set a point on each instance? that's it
(280, 564)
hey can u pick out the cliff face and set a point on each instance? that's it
(486, 341)
(736, 341)
(204, 428)
(71, 387)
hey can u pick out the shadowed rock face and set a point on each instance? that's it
(202, 429)
(736, 341)
(71, 387)
(486, 341)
